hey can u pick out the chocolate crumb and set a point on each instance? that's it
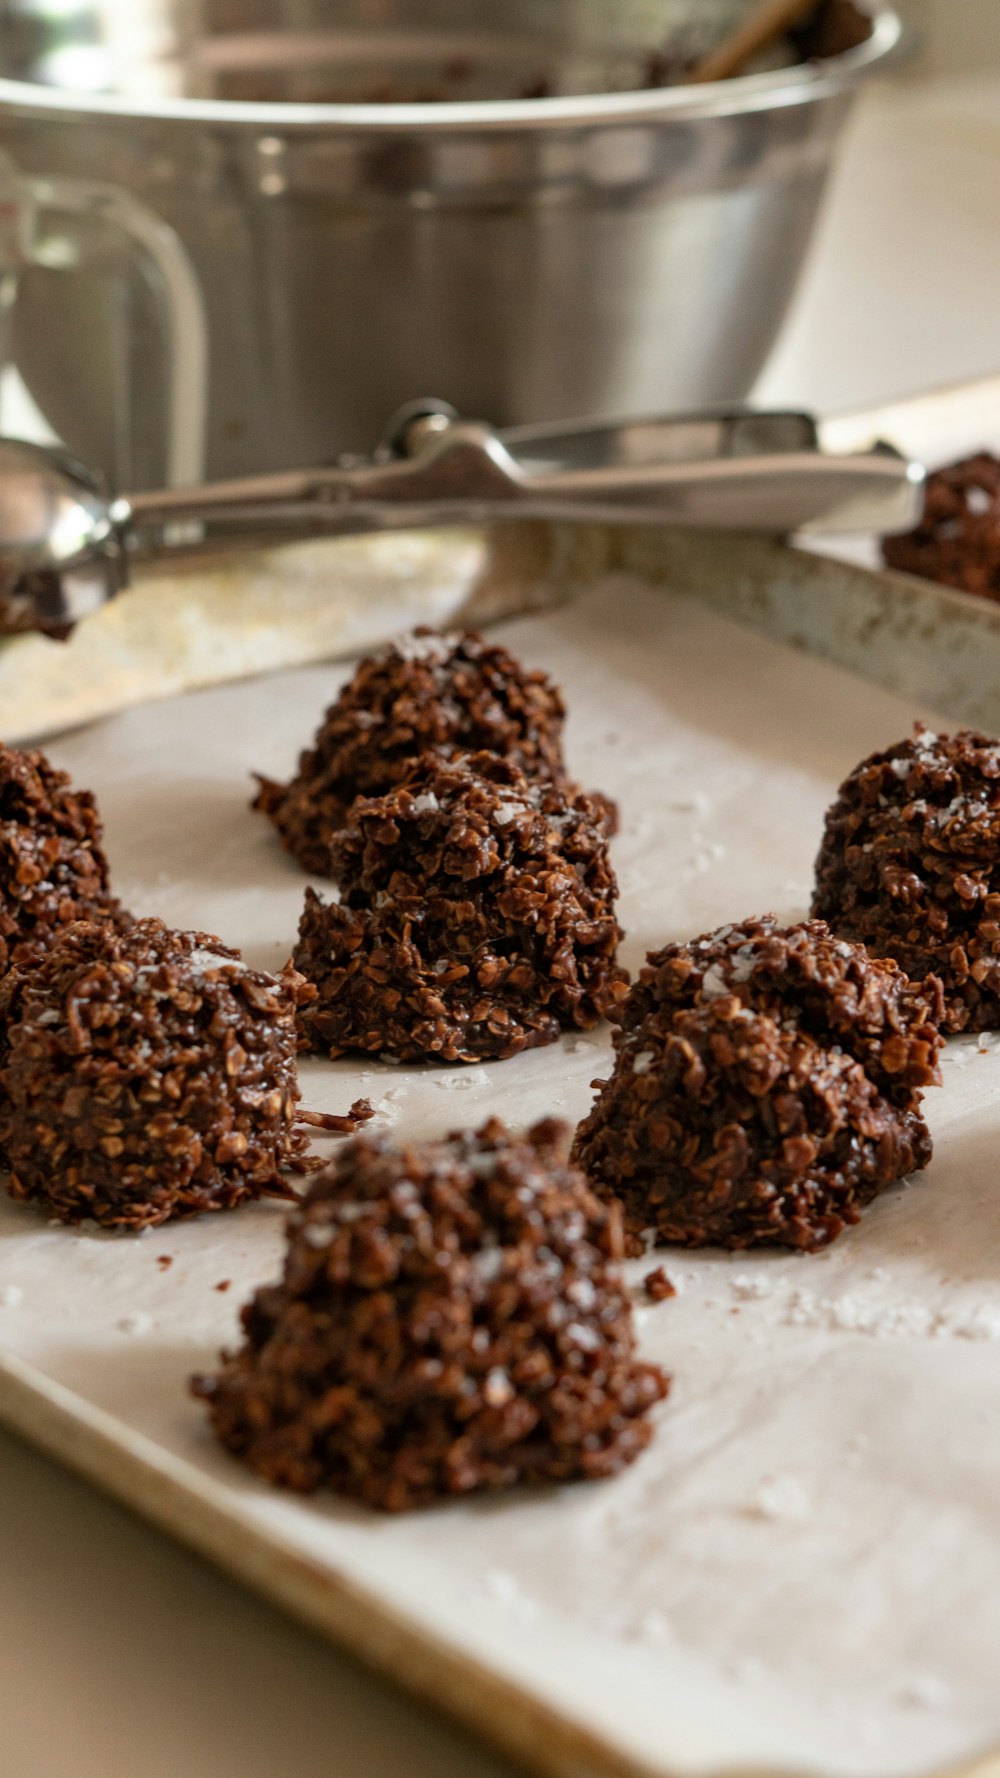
(910, 867)
(658, 1286)
(452, 1317)
(476, 919)
(767, 1087)
(361, 1112)
(226, 1284)
(165, 1261)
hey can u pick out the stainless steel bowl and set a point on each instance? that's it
(366, 211)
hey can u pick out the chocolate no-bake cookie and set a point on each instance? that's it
(147, 1074)
(957, 541)
(452, 1317)
(910, 866)
(477, 919)
(52, 867)
(427, 693)
(766, 1087)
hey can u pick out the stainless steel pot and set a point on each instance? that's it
(329, 210)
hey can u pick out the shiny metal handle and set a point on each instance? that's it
(465, 472)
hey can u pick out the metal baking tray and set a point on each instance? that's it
(802, 1574)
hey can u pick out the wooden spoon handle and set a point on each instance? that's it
(766, 22)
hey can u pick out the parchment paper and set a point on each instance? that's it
(804, 1570)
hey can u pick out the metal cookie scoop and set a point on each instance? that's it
(65, 547)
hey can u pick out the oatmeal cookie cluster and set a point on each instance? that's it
(957, 541)
(145, 1073)
(52, 864)
(476, 919)
(910, 866)
(476, 915)
(148, 1074)
(766, 1087)
(426, 694)
(452, 1317)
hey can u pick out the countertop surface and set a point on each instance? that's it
(122, 1656)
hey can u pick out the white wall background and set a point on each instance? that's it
(900, 290)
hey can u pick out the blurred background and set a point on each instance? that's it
(957, 34)
(899, 291)
(252, 296)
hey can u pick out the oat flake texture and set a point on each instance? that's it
(427, 693)
(910, 866)
(147, 1074)
(52, 865)
(476, 919)
(452, 1317)
(766, 1087)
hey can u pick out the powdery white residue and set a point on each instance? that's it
(781, 1497)
(136, 1324)
(747, 1286)
(703, 859)
(802, 1309)
(461, 1080)
(504, 1587)
(852, 1316)
(643, 1062)
(982, 1323)
(425, 804)
(858, 1314)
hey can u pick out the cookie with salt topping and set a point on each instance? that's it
(147, 1075)
(910, 866)
(430, 692)
(766, 1088)
(52, 864)
(452, 1318)
(476, 919)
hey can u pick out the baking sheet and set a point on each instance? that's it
(803, 1573)
(203, 619)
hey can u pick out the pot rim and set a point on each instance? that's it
(803, 83)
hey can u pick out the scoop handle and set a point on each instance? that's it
(462, 472)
